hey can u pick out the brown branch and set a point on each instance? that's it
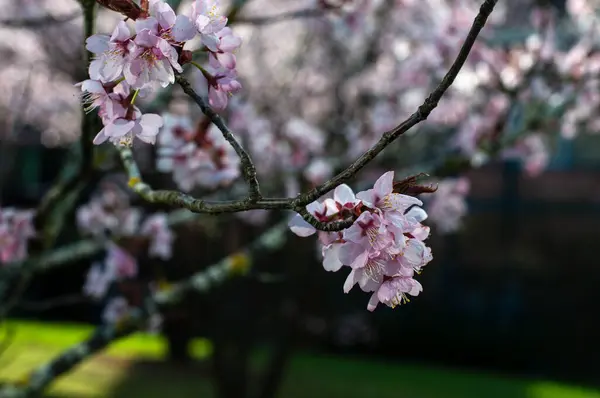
(236, 264)
(420, 115)
(248, 168)
(298, 204)
(69, 185)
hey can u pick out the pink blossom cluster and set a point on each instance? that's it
(447, 206)
(115, 310)
(219, 78)
(383, 248)
(117, 266)
(16, 228)
(509, 96)
(109, 213)
(196, 157)
(127, 65)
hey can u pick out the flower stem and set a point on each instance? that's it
(135, 94)
(197, 65)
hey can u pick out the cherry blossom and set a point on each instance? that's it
(208, 22)
(165, 24)
(394, 292)
(208, 161)
(97, 282)
(220, 82)
(161, 242)
(383, 247)
(152, 59)
(16, 228)
(112, 53)
(228, 42)
(447, 205)
(122, 131)
(115, 310)
(117, 265)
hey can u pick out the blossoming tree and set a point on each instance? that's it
(294, 113)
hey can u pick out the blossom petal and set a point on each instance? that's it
(417, 213)
(211, 41)
(146, 38)
(120, 127)
(367, 197)
(149, 24)
(93, 86)
(112, 68)
(95, 69)
(170, 53)
(100, 137)
(164, 14)
(97, 44)
(121, 32)
(350, 281)
(183, 29)
(151, 123)
(373, 301)
(384, 184)
(331, 261)
(217, 98)
(300, 227)
(344, 194)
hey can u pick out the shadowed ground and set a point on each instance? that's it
(133, 368)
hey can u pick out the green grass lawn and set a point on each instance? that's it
(132, 369)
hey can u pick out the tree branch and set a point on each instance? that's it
(298, 204)
(201, 282)
(420, 115)
(248, 168)
(61, 198)
(73, 252)
(40, 378)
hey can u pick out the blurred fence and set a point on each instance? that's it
(516, 289)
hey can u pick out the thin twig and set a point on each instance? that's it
(298, 204)
(75, 251)
(70, 184)
(420, 115)
(40, 378)
(248, 168)
(235, 264)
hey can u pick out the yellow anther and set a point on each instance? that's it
(126, 141)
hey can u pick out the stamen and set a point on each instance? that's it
(88, 101)
(400, 299)
(373, 269)
(390, 202)
(126, 141)
(372, 234)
